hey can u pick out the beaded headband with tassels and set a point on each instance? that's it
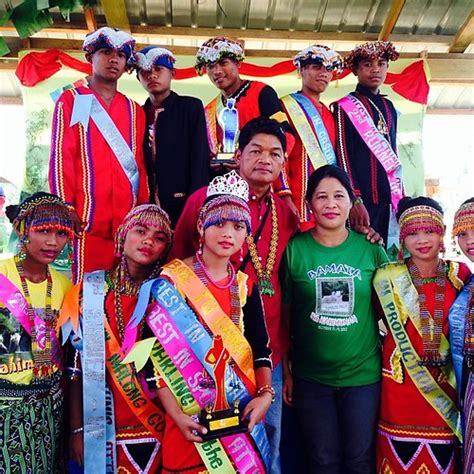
(149, 215)
(463, 219)
(319, 54)
(419, 218)
(227, 198)
(42, 211)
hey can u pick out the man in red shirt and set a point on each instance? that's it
(240, 100)
(312, 121)
(96, 161)
(260, 157)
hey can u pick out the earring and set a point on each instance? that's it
(22, 248)
(201, 244)
(401, 253)
(69, 254)
(442, 248)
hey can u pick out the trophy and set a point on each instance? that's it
(228, 119)
(220, 419)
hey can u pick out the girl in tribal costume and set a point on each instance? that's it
(31, 293)
(419, 428)
(223, 310)
(461, 326)
(131, 431)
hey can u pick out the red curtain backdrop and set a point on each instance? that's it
(34, 67)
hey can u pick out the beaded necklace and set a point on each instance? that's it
(120, 282)
(382, 126)
(230, 271)
(236, 95)
(41, 357)
(468, 350)
(235, 311)
(431, 326)
(264, 274)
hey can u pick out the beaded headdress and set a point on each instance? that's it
(149, 215)
(154, 56)
(41, 211)
(420, 218)
(372, 50)
(215, 49)
(111, 38)
(319, 54)
(227, 198)
(463, 219)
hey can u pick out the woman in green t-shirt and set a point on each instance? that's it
(334, 380)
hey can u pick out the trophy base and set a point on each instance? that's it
(221, 423)
(225, 158)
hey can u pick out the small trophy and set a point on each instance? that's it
(229, 121)
(220, 419)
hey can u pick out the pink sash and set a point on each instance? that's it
(376, 143)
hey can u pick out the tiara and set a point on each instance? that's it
(230, 183)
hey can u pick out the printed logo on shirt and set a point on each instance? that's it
(334, 310)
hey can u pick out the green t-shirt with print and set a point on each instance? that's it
(333, 323)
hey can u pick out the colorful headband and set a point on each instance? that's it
(149, 215)
(215, 49)
(420, 218)
(227, 198)
(463, 219)
(154, 56)
(110, 38)
(319, 54)
(372, 50)
(41, 211)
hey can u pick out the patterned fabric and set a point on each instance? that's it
(30, 436)
(412, 436)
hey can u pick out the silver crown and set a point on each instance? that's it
(230, 183)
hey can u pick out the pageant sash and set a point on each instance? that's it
(316, 143)
(457, 323)
(87, 106)
(218, 322)
(211, 121)
(93, 372)
(110, 449)
(12, 298)
(376, 143)
(132, 393)
(403, 284)
(395, 314)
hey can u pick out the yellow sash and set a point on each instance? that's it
(305, 132)
(218, 322)
(211, 120)
(395, 291)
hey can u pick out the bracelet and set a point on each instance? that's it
(358, 201)
(77, 430)
(267, 389)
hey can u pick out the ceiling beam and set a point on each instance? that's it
(115, 12)
(391, 19)
(156, 32)
(90, 19)
(464, 36)
(445, 68)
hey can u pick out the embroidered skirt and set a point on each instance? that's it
(31, 419)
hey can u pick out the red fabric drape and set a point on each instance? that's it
(411, 83)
